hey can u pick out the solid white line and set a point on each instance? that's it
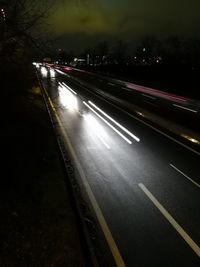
(114, 121)
(66, 86)
(111, 84)
(192, 110)
(104, 226)
(190, 179)
(171, 220)
(112, 127)
(152, 97)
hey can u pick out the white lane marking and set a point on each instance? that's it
(111, 84)
(171, 220)
(104, 226)
(192, 110)
(190, 179)
(112, 127)
(67, 86)
(152, 97)
(145, 123)
(115, 122)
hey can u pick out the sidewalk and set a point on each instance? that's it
(39, 226)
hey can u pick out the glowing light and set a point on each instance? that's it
(95, 127)
(112, 127)
(69, 88)
(191, 139)
(140, 113)
(52, 73)
(115, 122)
(67, 99)
(44, 71)
(36, 64)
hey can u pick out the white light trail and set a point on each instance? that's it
(69, 88)
(95, 127)
(115, 122)
(189, 109)
(68, 99)
(112, 127)
(52, 73)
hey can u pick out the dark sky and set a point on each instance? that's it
(83, 23)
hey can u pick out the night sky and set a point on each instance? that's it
(80, 24)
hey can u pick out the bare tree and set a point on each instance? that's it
(21, 24)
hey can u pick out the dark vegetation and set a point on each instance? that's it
(39, 225)
(171, 64)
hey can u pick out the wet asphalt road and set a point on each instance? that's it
(144, 187)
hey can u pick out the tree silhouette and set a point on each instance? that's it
(21, 23)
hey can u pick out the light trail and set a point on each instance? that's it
(115, 122)
(112, 127)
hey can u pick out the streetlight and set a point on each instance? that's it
(4, 14)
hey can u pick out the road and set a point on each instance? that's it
(143, 185)
(179, 109)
